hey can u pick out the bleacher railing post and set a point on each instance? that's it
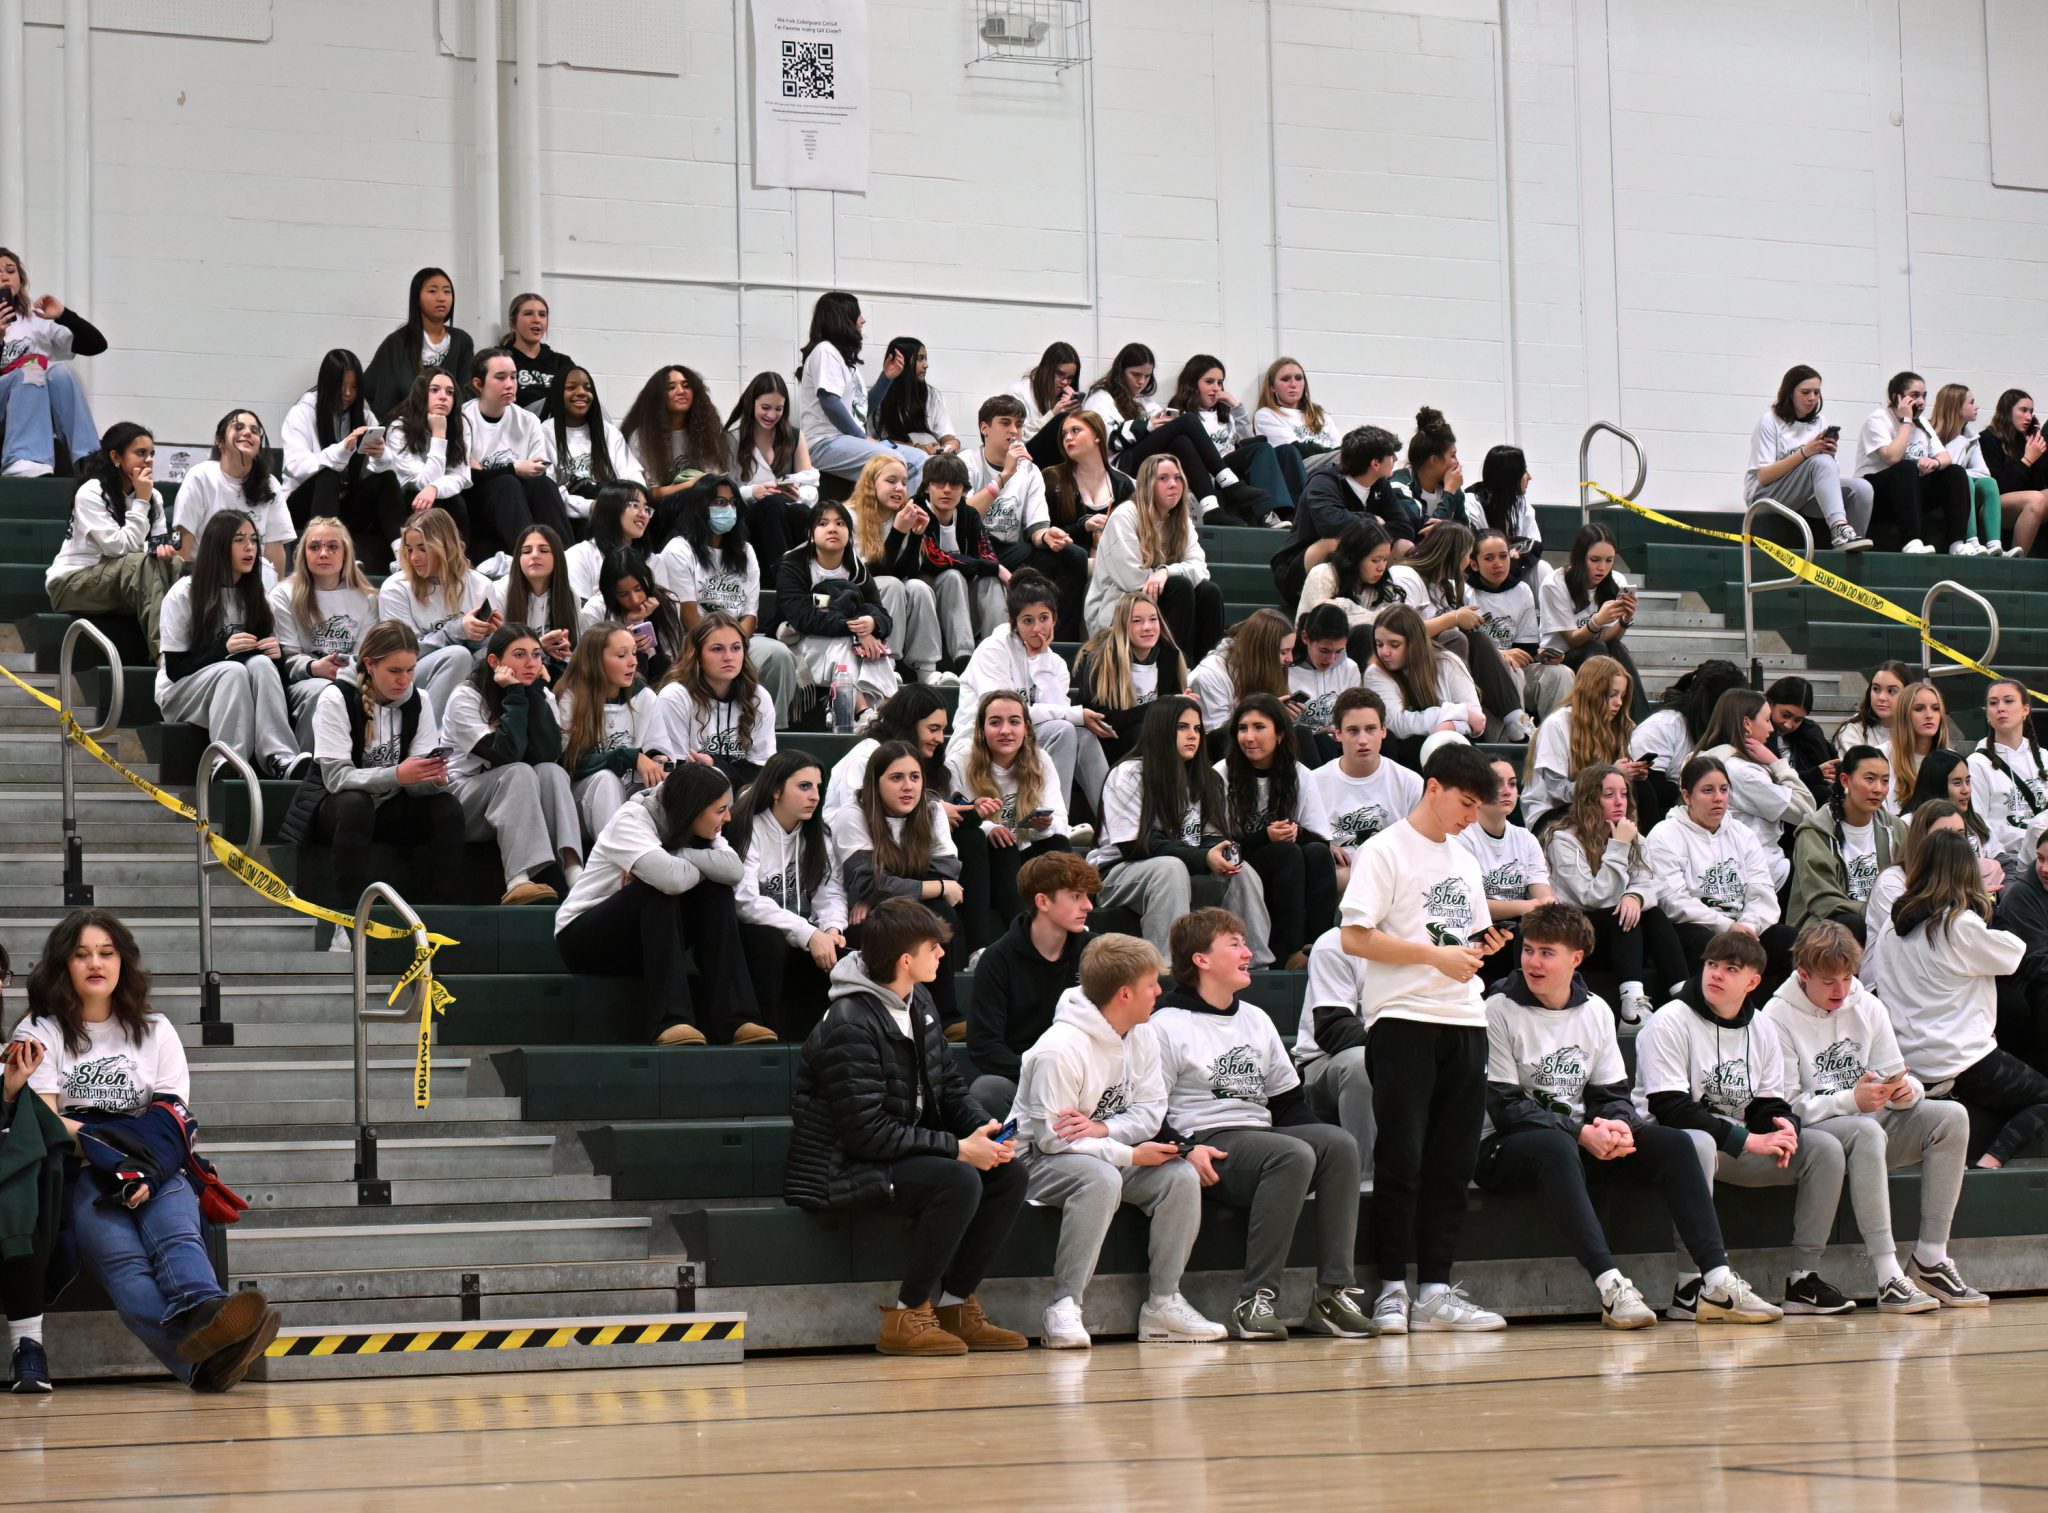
(371, 1189)
(1950, 586)
(78, 892)
(1751, 588)
(212, 1030)
(1585, 455)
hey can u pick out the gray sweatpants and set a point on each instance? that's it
(775, 666)
(1076, 756)
(1817, 483)
(1087, 1192)
(440, 672)
(600, 796)
(1932, 1134)
(1161, 890)
(300, 697)
(527, 809)
(240, 704)
(996, 1094)
(1271, 1172)
(970, 609)
(1339, 1091)
(914, 616)
(1817, 1169)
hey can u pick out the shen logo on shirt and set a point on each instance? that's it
(1506, 881)
(1500, 627)
(1447, 911)
(1236, 1074)
(1362, 824)
(1560, 1078)
(336, 638)
(1001, 517)
(104, 1083)
(723, 591)
(1723, 890)
(1115, 1099)
(383, 754)
(1725, 1088)
(1839, 1067)
(1863, 873)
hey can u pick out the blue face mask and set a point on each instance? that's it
(723, 518)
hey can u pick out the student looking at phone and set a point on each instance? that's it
(1050, 392)
(331, 438)
(1918, 490)
(1588, 608)
(1792, 459)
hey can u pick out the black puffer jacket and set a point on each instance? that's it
(856, 1105)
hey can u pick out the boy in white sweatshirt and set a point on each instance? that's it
(1090, 1102)
(1364, 791)
(1845, 1078)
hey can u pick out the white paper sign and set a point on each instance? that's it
(811, 94)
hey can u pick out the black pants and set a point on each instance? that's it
(1638, 701)
(1261, 486)
(774, 525)
(1500, 691)
(1300, 880)
(2023, 1019)
(1045, 447)
(429, 826)
(504, 505)
(959, 1219)
(1557, 1165)
(24, 1283)
(1915, 505)
(988, 879)
(1776, 941)
(1649, 954)
(945, 998)
(643, 932)
(1193, 613)
(2008, 1098)
(361, 500)
(1068, 570)
(397, 513)
(789, 985)
(1189, 445)
(1428, 1100)
(1857, 926)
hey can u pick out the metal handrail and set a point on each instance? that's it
(212, 1030)
(76, 891)
(1949, 585)
(370, 1189)
(1585, 453)
(1751, 588)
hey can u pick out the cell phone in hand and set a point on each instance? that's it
(1231, 854)
(1832, 433)
(1008, 1132)
(371, 435)
(440, 754)
(1037, 819)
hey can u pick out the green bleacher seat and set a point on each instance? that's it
(21, 589)
(43, 635)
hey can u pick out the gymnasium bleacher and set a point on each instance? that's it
(564, 1174)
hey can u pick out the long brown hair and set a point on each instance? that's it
(910, 856)
(646, 428)
(1252, 655)
(1585, 821)
(1416, 677)
(1108, 655)
(1062, 492)
(1948, 411)
(584, 687)
(1161, 543)
(688, 670)
(51, 994)
(979, 773)
(1942, 883)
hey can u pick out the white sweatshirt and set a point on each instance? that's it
(207, 491)
(1284, 427)
(95, 536)
(1360, 808)
(303, 454)
(630, 847)
(1123, 432)
(1322, 685)
(1221, 1070)
(1050, 795)
(1765, 801)
(432, 469)
(1825, 1055)
(842, 785)
(1713, 878)
(2009, 800)
(689, 725)
(1663, 741)
(771, 892)
(437, 619)
(1228, 429)
(1000, 661)
(1080, 1062)
(343, 616)
(850, 838)
(1120, 567)
(1552, 1054)
(513, 437)
(1549, 785)
(1212, 687)
(1576, 882)
(1941, 986)
(1456, 697)
(752, 466)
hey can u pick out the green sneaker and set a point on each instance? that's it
(1254, 1319)
(1340, 1311)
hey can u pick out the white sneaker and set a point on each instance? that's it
(1063, 1327)
(1081, 838)
(1622, 1306)
(1173, 1322)
(1635, 1006)
(1735, 1303)
(974, 960)
(931, 677)
(1917, 548)
(1516, 726)
(1273, 522)
(1390, 1313)
(2013, 551)
(339, 946)
(1227, 479)
(1451, 1311)
(1965, 549)
(25, 469)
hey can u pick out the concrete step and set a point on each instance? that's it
(216, 1083)
(250, 999)
(140, 834)
(555, 1343)
(449, 1105)
(254, 1251)
(132, 901)
(456, 1189)
(169, 942)
(42, 865)
(488, 1158)
(255, 1041)
(489, 1307)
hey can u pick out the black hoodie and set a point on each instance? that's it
(1680, 1110)
(1290, 1107)
(1015, 992)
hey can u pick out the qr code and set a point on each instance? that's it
(807, 70)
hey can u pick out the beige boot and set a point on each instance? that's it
(754, 1034)
(965, 1321)
(916, 1331)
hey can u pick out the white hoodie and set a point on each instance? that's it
(1575, 881)
(770, 890)
(2008, 801)
(1765, 801)
(1321, 685)
(1080, 1062)
(1456, 697)
(1121, 567)
(1941, 986)
(1826, 1054)
(1713, 878)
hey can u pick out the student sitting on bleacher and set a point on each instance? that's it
(1871, 725)
(792, 906)
(897, 842)
(1363, 791)
(615, 738)
(1917, 489)
(1232, 1087)
(2008, 773)
(101, 1054)
(1591, 727)
(1294, 424)
(1266, 498)
(832, 397)
(322, 611)
(1050, 391)
(1586, 610)
(1433, 580)
(1019, 979)
(427, 448)
(1432, 486)
(505, 732)
(1274, 811)
(221, 667)
(1765, 794)
(1934, 815)
(938, 540)
(1252, 658)
(628, 595)
(1792, 459)
(1329, 1044)
(1353, 492)
(1125, 666)
(1498, 504)
(620, 517)
(1840, 850)
(2022, 910)
(1321, 670)
(1163, 832)
(536, 594)
(428, 343)
(1009, 494)
(2013, 448)
(40, 399)
(770, 460)
(672, 427)
(1798, 739)
(1081, 487)
(24, 1275)
(1090, 1102)
(1423, 688)
(1018, 811)
(1140, 428)
(444, 600)
(915, 715)
(881, 504)
(236, 477)
(589, 450)
(1356, 578)
(327, 452)
(709, 565)
(1597, 863)
(713, 707)
(1663, 741)
(659, 884)
(382, 776)
(1920, 727)
(1516, 873)
(1945, 775)
(1710, 874)
(882, 1119)
(832, 615)
(118, 555)
(1151, 546)
(511, 458)
(1507, 616)
(1557, 1097)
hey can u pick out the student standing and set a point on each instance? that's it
(428, 341)
(833, 399)
(511, 458)
(541, 367)
(40, 401)
(1415, 911)
(1364, 791)
(1151, 547)
(236, 477)
(119, 555)
(1792, 459)
(426, 448)
(444, 601)
(328, 455)
(321, 613)
(1019, 980)
(1598, 864)
(614, 737)
(1839, 850)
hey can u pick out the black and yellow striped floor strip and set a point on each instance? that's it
(547, 1335)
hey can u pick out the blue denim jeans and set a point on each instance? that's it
(845, 456)
(151, 1260)
(38, 413)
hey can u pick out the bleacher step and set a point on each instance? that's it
(448, 1106)
(455, 1188)
(252, 1163)
(549, 1344)
(253, 1251)
(229, 1083)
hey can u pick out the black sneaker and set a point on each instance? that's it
(1813, 1293)
(31, 1368)
(1685, 1302)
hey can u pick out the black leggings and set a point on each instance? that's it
(428, 826)
(505, 504)
(361, 500)
(1776, 940)
(788, 983)
(2023, 1018)
(1193, 613)
(1649, 954)
(643, 932)
(1557, 1165)
(1300, 880)
(1190, 446)
(959, 1217)
(1907, 498)
(2007, 1097)
(397, 512)
(988, 879)
(24, 1282)
(774, 525)
(1068, 570)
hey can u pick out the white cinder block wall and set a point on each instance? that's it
(1687, 198)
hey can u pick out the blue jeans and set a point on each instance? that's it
(39, 413)
(845, 456)
(151, 1260)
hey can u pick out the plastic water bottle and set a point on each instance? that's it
(839, 714)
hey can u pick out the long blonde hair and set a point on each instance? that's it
(1948, 411)
(1108, 655)
(583, 685)
(1905, 758)
(980, 771)
(302, 586)
(437, 529)
(869, 525)
(1311, 412)
(1161, 543)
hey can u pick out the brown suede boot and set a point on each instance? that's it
(916, 1331)
(965, 1321)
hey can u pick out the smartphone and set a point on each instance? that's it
(440, 754)
(1008, 1132)
(1038, 818)
(371, 434)
(2033, 425)
(1231, 854)
(483, 610)
(1833, 433)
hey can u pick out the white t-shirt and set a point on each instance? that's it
(341, 617)
(827, 372)
(512, 438)
(1222, 1070)
(1509, 862)
(1508, 615)
(1880, 427)
(207, 491)
(112, 1072)
(1552, 1054)
(1774, 439)
(1723, 1065)
(1019, 506)
(688, 580)
(1424, 891)
(1859, 858)
(1360, 808)
(1335, 980)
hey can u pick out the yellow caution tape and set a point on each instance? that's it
(259, 879)
(1819, 577)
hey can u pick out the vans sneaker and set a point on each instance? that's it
(1899, 1295)
(1947, 1285)
(1843, 538)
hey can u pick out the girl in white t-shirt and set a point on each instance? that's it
(322, 611)
(1019, 811)
(833, 407)
(614, 739)
(119, 555)
(589, 450)
(443, 599)
(713, 707)
(1586, 610)
(238, 477)
(771, 465)
(1792, 459)
(1955, 421)
(711, 565)
(427, 450)
(1915, 484)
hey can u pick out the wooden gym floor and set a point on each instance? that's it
(1947, 1412)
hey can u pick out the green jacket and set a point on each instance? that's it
(1820, 886)
(33, 1147)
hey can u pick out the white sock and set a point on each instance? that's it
(1798, 1274)
(1887, 1268)
(1633, 990)
(1392, 1287)
(1607, 1279)
(571, 871)
(1927, 1253)
(947, 1300)
(1226, 479)
(1717, 1279)
(518, 880)
(24, 1329)
(1432, 1289)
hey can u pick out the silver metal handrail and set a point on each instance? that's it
(76, 891)
(370, 1188)
(211, 1029)
(1751, 588)
(1586, 505)
(1949, 585)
